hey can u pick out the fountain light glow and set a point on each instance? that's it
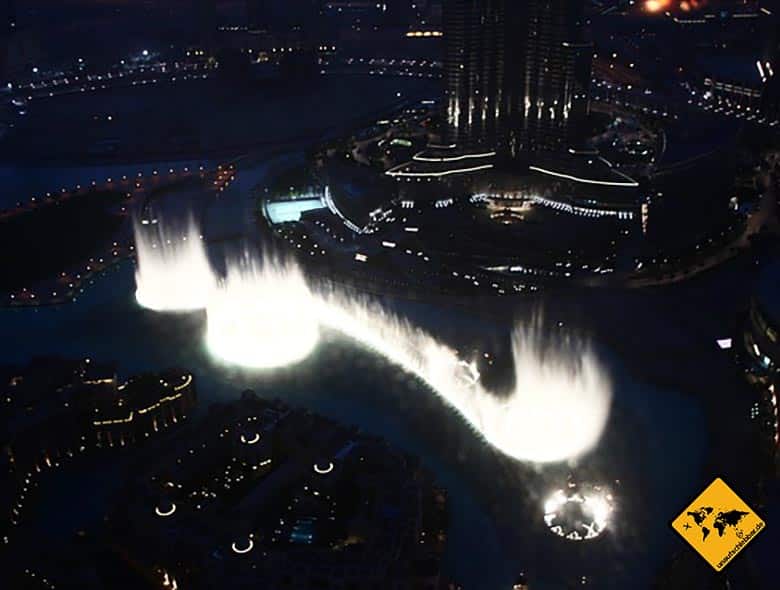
(556, 412)
(261, 316)
(173, 271)
(578, 514)
(264, 316)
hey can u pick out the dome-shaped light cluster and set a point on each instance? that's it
(578, 514)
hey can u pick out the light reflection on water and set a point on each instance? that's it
(106, 323)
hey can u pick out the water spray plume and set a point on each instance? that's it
(556, 411)
(261, 316)
(265, 316)
(173, 271)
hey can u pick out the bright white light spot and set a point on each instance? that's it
(261, 316)
(168, 512)
(323, 470)
(241, 550)
(578, 515)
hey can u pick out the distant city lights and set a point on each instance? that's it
(261, 316)
(417, 34)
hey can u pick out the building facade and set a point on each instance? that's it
(556, 76)
(517, 74)
(474, 68)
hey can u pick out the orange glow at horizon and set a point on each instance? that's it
(656, 6)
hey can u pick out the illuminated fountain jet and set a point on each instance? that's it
(579, 513)
(173, 271)
(261, 315)
(556, 412)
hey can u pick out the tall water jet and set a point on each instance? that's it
(173, 271)
(261, 315)
(561, 398)
(556, 411)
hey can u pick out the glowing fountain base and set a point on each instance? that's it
(578, 514)
(261, 318)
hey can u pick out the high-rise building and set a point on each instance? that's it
(517, 74)
(474, 71)
(556, 64)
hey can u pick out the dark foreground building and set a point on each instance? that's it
(264, 496)
(761, 352)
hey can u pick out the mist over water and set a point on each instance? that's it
(264, 314)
